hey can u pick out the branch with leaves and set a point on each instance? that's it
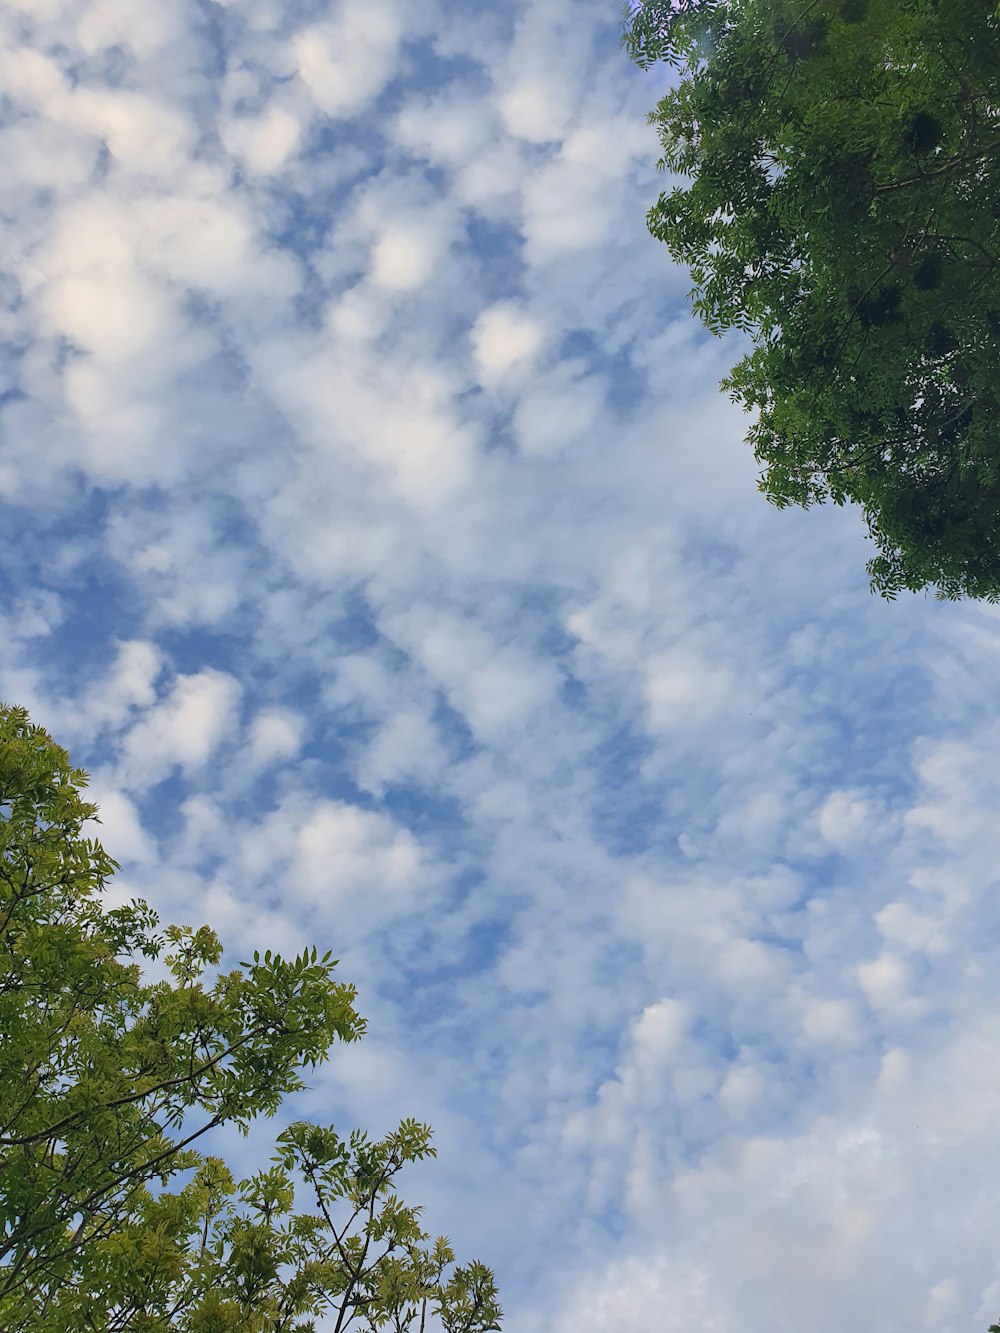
(837, 198)
(108, 1081)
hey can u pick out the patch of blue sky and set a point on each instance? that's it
(582, 349)
(496, 246)
(629, 816)
(162, 811)
(427, 975)
(352, 151)
(435, 818)
(425, 67)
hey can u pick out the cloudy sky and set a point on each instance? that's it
(373, 530)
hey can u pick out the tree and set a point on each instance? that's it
(112, 1219)
(842, 207)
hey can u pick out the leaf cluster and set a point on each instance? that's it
(837, 198)
(109, 1079)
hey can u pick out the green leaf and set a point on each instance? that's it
(840, 203)
(110, 1216)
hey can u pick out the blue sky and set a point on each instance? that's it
(374, 531)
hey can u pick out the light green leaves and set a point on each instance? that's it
(110, 1217)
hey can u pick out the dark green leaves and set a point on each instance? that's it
(669, 32)
(841, 206)
(923, 133)
(929, 273)
(802, 41)
(882, 308)
(853, 11)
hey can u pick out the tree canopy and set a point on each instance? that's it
(111, 1217)
(842, 206)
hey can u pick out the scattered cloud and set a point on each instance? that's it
(183, 729)
(504, 338)
(346, 59)
(374, 530)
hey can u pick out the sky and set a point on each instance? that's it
(374, 531)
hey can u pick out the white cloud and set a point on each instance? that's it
(342, 850)
(903, 926)
(448, 129)
(361, 314)
(572, 203)
(848, 819)
(141, 134)
(406, 748)
(184, 729)
(956, 776)
(35, 615)
(746, 966)
(683, 686)
(131, 685)
(96, 294)
(504, 338)
(346, 61)
(31, 75)
(533, 110)
(887, 983)
(829, 1023)
(142, 28)
(120, 829)
(741, 1091)
(557, 415)
(46, 156)
(494, 686)
(125, 686)
(775, 1233)
(274, 736)
(326, 861)
(490, 181)
(406, 233)
(113, 330)
(41, 9)
(401, 260)
(162, 548)
(265, 142)
(657, 1037)
(676, 1294)
(199, 242)
(400, 420)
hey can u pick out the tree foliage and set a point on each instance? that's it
(842, 206)
(110, 1216)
